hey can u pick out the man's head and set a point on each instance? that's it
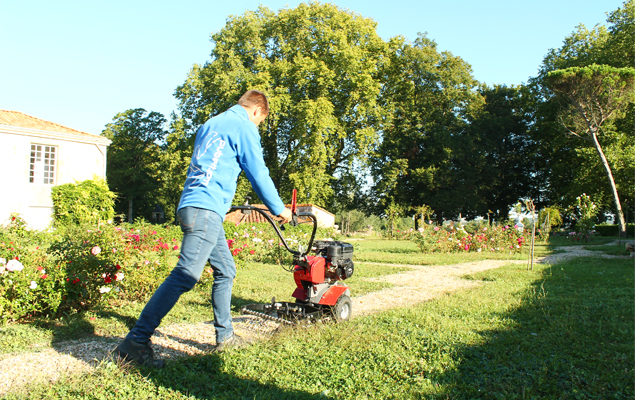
(256, 104)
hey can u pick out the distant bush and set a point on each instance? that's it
(614, 229)
(87, 202)
(451, 238)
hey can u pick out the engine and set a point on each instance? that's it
(339, 258)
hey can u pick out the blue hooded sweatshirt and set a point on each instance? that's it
(225, 145)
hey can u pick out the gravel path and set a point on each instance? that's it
(419, 284)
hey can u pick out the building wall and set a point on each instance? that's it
(76, 162)
(324, 218)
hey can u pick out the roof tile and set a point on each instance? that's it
(19, 119)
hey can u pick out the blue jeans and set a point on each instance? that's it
(203, 240)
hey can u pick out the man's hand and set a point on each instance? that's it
(286, 216)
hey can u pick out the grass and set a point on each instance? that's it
(563, 331)
(406, 252)
(257, 283)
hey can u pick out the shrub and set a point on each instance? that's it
(78, 267)
(448, 239)
(614, 229)
(29, 279)
(87, 202)
(259, 242)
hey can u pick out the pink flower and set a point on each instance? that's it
(175, 247)
(95, 250)
(252, 251)
(436, 228)
(44, 276)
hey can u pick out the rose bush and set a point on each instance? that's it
(29, 279)
(77, 267)
(451, 238)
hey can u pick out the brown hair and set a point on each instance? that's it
(255, 98)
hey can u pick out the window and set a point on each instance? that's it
(42, 168)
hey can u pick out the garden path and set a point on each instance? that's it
(418, 284)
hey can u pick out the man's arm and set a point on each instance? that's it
(252, 161)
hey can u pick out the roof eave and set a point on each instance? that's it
(88, 138)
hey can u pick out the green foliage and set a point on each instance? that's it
(608, 230)
(502, 162)
(422, 157)
(133, 165)
(586, 211)
(450, 238)
(319, 65)
(253, 243)
(174, 160)
(29, 279)
(89, 202)
(549, 217)
(591, 73)
(353, 221)
(579, 316)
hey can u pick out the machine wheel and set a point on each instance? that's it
(343, 309)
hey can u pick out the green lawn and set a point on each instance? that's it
(563, 331)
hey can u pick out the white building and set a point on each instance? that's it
(36, 155)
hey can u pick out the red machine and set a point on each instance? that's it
(320, 292)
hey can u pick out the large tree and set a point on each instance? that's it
(573, 164)
(132, 163)
(318, 64)
(595, 95)
(506, 161)
(425, 150)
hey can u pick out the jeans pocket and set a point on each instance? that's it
(187, 218)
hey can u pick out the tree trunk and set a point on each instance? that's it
(609, 175)
(130, 210)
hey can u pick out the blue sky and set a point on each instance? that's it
(79, 62)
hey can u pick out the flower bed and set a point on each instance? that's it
(448, 239)
(77, 267)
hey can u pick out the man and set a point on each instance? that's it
(224, 145)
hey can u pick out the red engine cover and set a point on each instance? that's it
(314, 274)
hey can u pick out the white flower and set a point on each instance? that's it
(2, 270)
(119, 276)
(3, 261)
(14, 265)
(33, 285)
(104, 289)
(257, 240)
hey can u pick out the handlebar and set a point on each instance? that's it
(264, 213)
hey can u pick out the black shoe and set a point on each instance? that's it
(233, 342)
(137, 353)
